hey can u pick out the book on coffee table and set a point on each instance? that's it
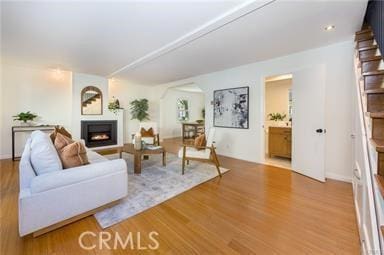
(152, 147)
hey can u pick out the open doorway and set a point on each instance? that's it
(278, 120)
(182, 107)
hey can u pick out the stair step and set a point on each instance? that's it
(363, 31)
(365, 43)
(375, 115)
(380, 183)
(377, 128)
(373, 82)
(371, 66)
(380, 164)
(378, 144)
(375, 100)
(372, 47)
(370, 73)
(372, 58)
(368, 37)
(374, 91)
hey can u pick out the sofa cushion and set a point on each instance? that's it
(71, 153)
(94, 157)
(44, 157)
(61, 141)
(59, 130)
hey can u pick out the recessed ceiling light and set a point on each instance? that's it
(329, 28)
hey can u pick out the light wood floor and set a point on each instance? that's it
(253, 209)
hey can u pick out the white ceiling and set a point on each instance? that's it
(152, 42)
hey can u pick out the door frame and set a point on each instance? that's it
(262, 107)
(263, 77)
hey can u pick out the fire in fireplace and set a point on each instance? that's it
(98, 137)
(98, 133)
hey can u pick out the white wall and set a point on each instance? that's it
(169, 124)
(248, 144)
(41, 91)
(126, 92)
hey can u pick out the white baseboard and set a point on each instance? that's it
(5, 156)
(338, 177)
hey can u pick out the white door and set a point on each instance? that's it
(308, 128)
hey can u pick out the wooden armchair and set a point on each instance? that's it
(205, 153)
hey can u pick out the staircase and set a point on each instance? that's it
(368, 180)
(91, 99)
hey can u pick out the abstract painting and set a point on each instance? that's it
(231, 108)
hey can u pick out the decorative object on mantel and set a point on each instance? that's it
(24, 117)
(114, 105)
(231, 108)
(139, 109)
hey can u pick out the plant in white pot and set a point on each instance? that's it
(25, 117)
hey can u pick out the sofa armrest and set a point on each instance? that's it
(74, 175)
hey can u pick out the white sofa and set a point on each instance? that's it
(57, 196)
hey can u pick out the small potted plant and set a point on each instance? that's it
(277, 117)
(25, 117)
(114, 105)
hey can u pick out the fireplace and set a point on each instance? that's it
(98, 133)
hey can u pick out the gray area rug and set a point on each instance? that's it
(155, 185)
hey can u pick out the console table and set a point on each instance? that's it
(24, 129)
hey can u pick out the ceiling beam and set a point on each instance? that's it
(208, 27)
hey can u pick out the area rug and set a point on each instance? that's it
(155, 185)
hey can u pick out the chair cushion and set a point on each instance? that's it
(194, 153)
(147, 133)
(44, 157)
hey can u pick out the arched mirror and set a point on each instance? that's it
(91, 101)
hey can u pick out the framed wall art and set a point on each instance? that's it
(231, 108)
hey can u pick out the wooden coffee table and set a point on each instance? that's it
(138, 155)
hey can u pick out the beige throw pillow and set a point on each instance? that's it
(59, 130)
(71, 153)
(200, 141)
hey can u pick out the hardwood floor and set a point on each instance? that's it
(253, 209)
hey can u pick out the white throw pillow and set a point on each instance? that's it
(44, 157)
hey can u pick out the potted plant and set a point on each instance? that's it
(114, 105)
(24, 117)
(277, 117)
(139, 109)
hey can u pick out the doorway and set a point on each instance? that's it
(183, 104)
(278, 120)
